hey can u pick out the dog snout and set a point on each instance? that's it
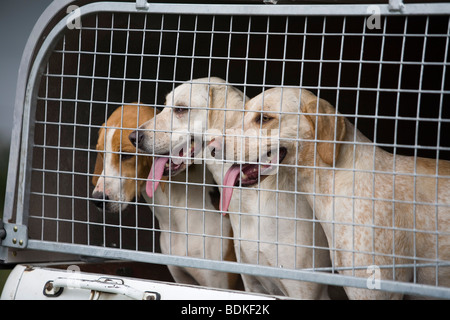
(136, 138)
(99, 198)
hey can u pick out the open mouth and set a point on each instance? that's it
(167, 165)
(181, 155)
(249, 174)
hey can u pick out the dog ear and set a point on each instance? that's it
(99, 161)
(222, 97)
(98, 168)
(329, 128)
(211, 114)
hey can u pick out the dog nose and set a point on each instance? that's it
(136, 138)
(217, 148)
(98, 199)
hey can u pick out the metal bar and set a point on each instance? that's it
(225, 266)
(438, 140)
(278, 10)
(16, 136)
(94, 64)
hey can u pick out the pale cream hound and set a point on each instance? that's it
(277, 228)
(218, 106)
(376, 208)
(120, 176)
(188, 206)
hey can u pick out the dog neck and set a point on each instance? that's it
(320, 178)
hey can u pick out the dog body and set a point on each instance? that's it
(277, 228)
(376, 208)
(119, 177)
(185, 205)
(193, 232)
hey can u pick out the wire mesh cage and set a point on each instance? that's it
(369, 214)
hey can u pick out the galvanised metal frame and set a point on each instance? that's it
(21, 149)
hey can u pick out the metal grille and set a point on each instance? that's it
(385, 74)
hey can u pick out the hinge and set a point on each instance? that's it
(15, 235)
(142, 5)
(396, 5)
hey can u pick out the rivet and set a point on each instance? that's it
(21, 242)
(49, 286)
(14, 240)
(15, 228)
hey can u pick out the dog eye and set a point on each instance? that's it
(180, 110)
(262, 118)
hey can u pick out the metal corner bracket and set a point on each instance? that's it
(142, 5)
(16, 236)
(396, 5)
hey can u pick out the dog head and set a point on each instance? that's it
(292, 119)
(281, 125)
(118, 169)
(176, 135)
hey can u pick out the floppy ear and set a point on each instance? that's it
(98, 168)
(329, 128)
(211, 113)
(99, 161)
(211, 97)
(234, 99)
(214, 115)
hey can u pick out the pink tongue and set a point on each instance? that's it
(156, 172)
(227, 192)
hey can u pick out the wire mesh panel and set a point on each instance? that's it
(287, 147)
